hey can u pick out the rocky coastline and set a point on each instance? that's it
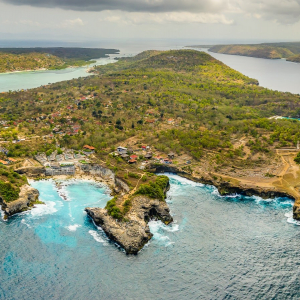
(226, 188)
(133, 233)
(27, 198)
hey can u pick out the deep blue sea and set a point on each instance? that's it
(217, 248)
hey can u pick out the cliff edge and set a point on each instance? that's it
(28, 195)
(133, 232)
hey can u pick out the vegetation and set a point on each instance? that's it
(113, 210)
(290, 51)
(297, 159)
(154, 189)
(10, 183)
(21, 59)
(184, 102)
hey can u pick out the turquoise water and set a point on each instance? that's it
(217, 248)
(33, 79)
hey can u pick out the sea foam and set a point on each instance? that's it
(97, 237)
(73, 227)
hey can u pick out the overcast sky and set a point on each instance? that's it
(197, 20)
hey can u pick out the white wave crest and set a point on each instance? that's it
(290, 219)
(43, 209)
(97, 237)
(73, 227)
(23, 221)
(159, 229)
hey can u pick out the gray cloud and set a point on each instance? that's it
(153, 6)
(282, 11)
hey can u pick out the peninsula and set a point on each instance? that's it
(24, 59)
(290, 51)
(178, 111)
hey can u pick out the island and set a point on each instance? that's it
(289, 50)
(179, 111)
(29, 59)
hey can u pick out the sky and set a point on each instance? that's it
(193, 21)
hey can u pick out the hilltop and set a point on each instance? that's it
(290, 51)
(22, 59)
(179, 110)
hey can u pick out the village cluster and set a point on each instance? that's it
(143, 153)
(64, 163)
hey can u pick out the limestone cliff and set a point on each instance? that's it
(31, 171)
(133, 233)
(28, 195)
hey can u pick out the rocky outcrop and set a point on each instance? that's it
(228, 188)
(121, 185)
(28, 195)
(32, 171)
(99, 171)
(133, 233)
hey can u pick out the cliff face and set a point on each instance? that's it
(228, 188)
(133, 233)
(28, 195)
(99, 171)
(31, 171)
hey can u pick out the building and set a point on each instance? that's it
(133, 156)
(91, 148)
(148, 155)
(63, 169)
(171, 155)
(122, 150)
(132, 161)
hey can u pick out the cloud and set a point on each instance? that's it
(202, 11)
(72, 23)
(170, 17)
(280, 11)
(21, 22)
(211, 6)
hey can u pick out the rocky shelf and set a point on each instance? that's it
(133, 233)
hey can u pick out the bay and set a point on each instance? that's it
(217, 248)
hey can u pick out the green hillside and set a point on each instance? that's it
(21, 59)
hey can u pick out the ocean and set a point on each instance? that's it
(217, 248)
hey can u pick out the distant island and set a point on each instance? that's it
(290, 51)
(179, 111)
(25, 59)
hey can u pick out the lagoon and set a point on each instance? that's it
(32, 79)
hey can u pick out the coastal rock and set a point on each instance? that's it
(31, 171)
(121, 185)
(98, 170)
(106, 174)
(296, 211)
(28, 195)
(133, 233)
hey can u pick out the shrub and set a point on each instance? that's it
(133, 175)
(126, 206)
(113, 210)
(155, 189)
(297, 158)
(8, 192)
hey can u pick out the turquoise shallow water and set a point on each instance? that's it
(217, 248)
(28, 80)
